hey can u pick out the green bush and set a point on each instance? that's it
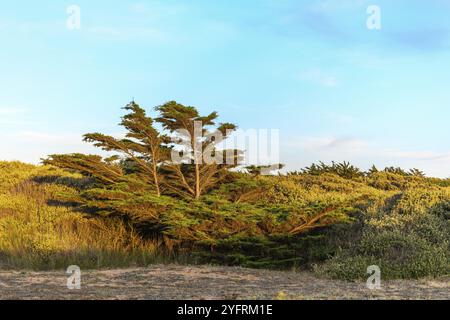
(403, 246)
(276, 252)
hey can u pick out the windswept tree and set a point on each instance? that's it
(197, 164)
(343, 169)
(106, 171)
(188, 163)
(143, 144)
(143, 148)
(373, 170)
(416, 173)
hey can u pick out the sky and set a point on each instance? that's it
(336, 89)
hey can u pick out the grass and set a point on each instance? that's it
(38, 235)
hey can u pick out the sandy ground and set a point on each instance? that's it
(205, 282)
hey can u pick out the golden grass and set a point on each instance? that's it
(37, 235)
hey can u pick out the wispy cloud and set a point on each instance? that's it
(331, 6)
(43, 137)
(424, 39)
(320, 78)
(158, 9)
(32, 146)
(127, 33)
(418, 155)
(15, 116)
(12, 111)
(341, 144)
(364, 154)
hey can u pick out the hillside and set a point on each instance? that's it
(397, 222)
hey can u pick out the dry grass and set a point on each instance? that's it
(35, 234)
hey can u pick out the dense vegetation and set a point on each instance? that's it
(139, 207)
(37, 233)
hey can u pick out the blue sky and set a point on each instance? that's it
(334, 88)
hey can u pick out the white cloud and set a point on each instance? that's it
(31, 146)
(12, 111)
(419, 155)
(15, 116)
(299, 152)
(16, 122)
(46, 138)
(332, 144)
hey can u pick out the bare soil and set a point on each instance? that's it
(174, 282)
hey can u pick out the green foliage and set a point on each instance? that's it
(407, 237)
(344, 170)
(275, 252)
(348, 171)
(196, 137)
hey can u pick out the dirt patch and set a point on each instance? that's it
(204, 282)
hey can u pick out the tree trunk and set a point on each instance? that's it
(155, 173)
(155, 178)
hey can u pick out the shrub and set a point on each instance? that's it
(404, 244)
(274, 252)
